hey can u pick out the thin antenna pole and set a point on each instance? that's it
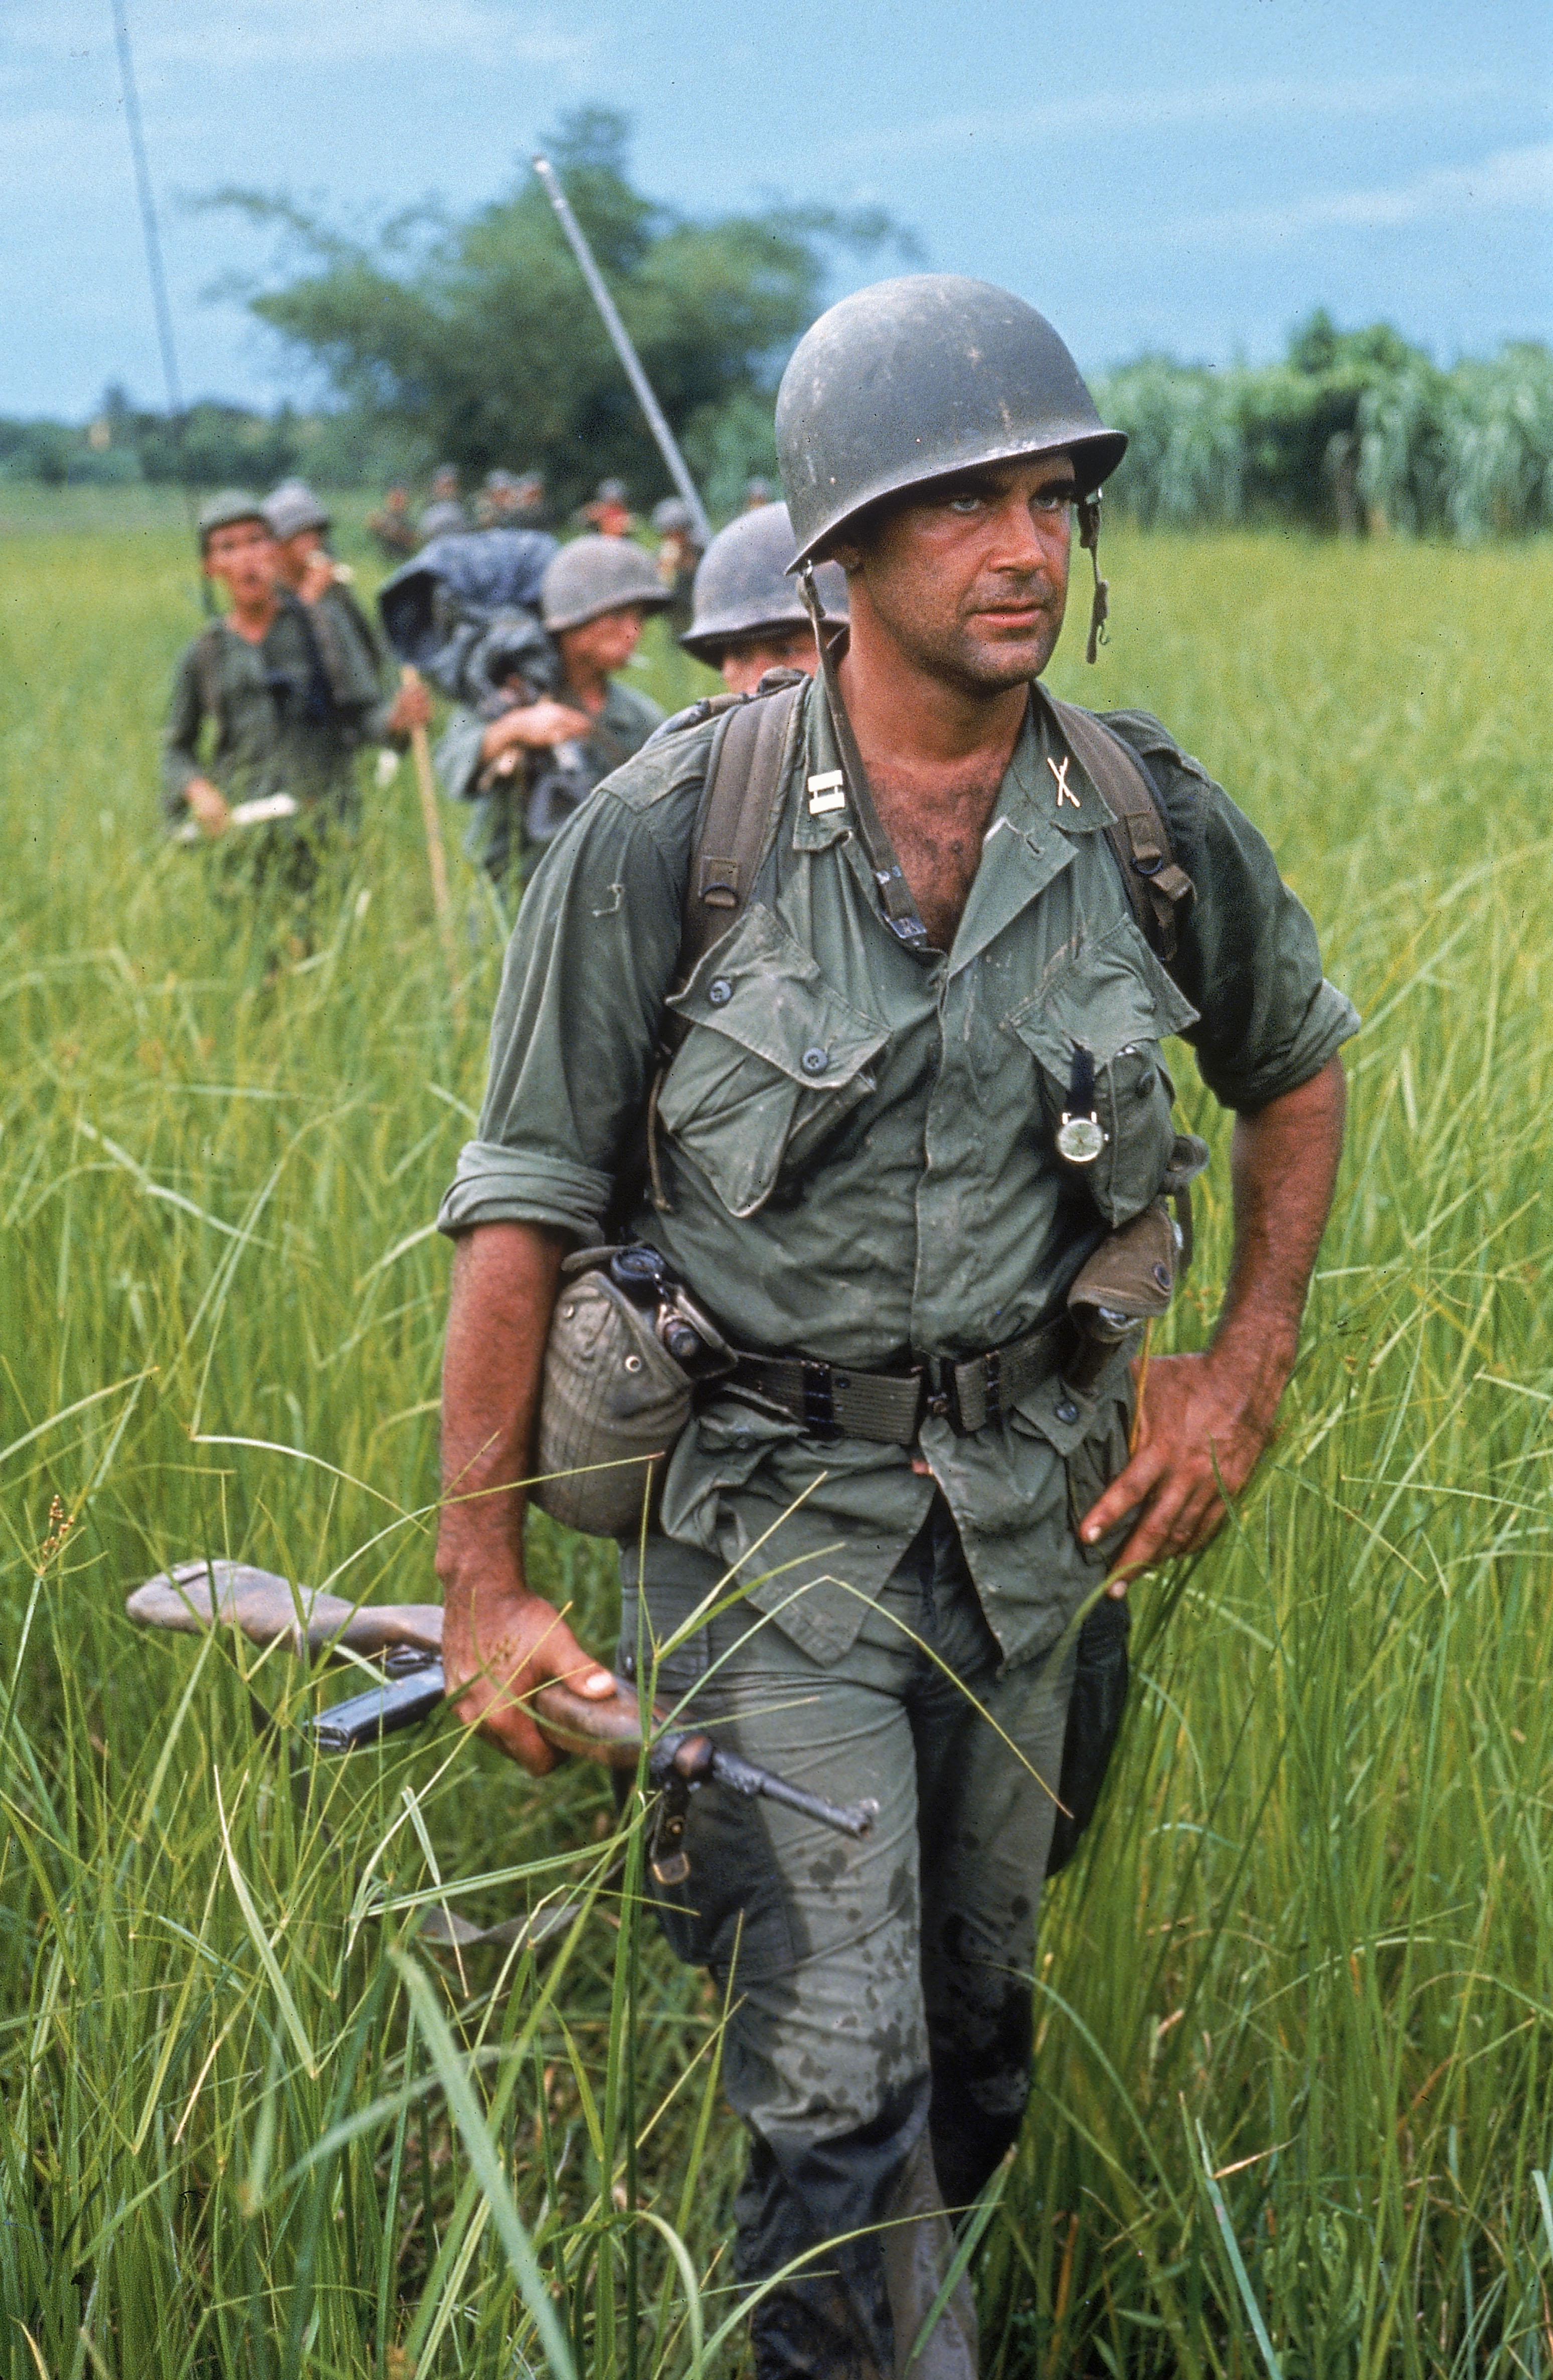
(621, 337)
(155, 270)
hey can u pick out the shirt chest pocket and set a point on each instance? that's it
(1109, 998)
(774, 1061)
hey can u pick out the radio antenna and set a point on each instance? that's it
(155, 271)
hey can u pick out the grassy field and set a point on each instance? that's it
(1294, 2106)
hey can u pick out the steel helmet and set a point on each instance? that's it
(292, 507)
(226, 510)
(743, 585)
(671, 517)
(594, 575)
(919, 377)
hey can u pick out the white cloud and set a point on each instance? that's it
(1108, 111)
(1510, 181)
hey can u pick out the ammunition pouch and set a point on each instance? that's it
(1133, 1274)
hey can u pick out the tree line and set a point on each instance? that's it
(472, 340)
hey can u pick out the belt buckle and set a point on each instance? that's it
(941, 1392)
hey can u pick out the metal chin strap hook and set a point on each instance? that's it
(1089, 539)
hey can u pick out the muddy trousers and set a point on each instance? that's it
(878, 2042)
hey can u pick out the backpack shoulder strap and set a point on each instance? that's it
(747, 771)
(207, 673)
(1157, 887)
(747, 778)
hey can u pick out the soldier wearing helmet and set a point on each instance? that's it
(750, 616)
(896, 1117)
(444, 515)
(353, 657)
(265, 711)
(609, 514)
(550, 721)
(679, 552)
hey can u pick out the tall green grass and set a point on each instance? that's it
(1295, 1997)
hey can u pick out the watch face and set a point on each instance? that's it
(1080, 1139)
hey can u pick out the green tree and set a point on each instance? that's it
(479, 334)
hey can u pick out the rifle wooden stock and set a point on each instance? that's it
(195, 1596)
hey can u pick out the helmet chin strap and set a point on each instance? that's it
(1089, 538)
(811, 595)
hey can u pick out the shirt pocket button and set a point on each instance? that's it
(720, 993)
(814, 1062)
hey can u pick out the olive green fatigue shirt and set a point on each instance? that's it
(496, 832)
(860, 1140)
(281, 725)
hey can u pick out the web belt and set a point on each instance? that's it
(889, 1407)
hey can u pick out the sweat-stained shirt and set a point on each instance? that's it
(860, 1140)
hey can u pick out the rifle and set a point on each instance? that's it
(194, 1598)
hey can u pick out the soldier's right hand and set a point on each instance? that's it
(499, 1645)
(535, 726)
(208, 804)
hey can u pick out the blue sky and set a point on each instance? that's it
(1191, 177)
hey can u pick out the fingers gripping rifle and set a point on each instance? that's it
(406, 1639)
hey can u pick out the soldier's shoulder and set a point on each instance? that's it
(667, 774)
(1152, 741)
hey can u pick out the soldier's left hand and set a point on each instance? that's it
(1201, 1433)
(412, 707)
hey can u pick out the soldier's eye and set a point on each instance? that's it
(965, 505)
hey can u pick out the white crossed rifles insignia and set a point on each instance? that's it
(1065, 791)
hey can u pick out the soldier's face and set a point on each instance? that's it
(296, 553)
(970, 581)
(606, 643)
(744, 666)
(244, 558)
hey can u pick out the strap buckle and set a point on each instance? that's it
(819, 1398)
(942, 1383)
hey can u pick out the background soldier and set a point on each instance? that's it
(531, 505)
(393, 526)
(444, 515)
(679, 552)
(556, 720)
(916, 1087)
(257, 680)
(750, 616)
(496, 504)
(351, 653)
(609, 514)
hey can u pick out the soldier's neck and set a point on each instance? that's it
(254, 619)
(587, 687)
(918, 729)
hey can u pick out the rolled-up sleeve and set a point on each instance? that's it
(1248, 960)
(579, 1013)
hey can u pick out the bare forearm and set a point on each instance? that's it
(1284, 1169)
(1206, 1419)
(505, 1279)
(498, 1642)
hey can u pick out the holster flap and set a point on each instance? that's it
(1132, 1270)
